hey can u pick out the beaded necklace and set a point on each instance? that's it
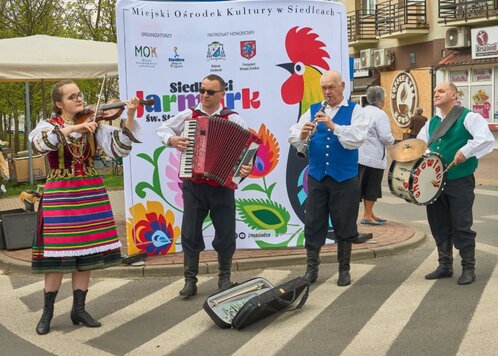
(77, 145)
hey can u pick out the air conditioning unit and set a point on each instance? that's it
(383, 57)
(457, 37)
(366, 58)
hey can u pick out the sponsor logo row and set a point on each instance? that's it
(149, 56)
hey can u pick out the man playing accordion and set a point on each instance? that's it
(203, 196)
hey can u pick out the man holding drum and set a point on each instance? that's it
(461, 143)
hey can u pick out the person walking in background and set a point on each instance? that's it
(333, 188)
(204, 196)
(372, 159)
(76, 232)
(416, 123)
(465, 139)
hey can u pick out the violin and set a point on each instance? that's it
(110, 111)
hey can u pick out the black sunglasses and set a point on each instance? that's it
(209, 91)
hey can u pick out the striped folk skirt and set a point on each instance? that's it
(76, 229)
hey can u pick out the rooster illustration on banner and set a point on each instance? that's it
(307, 63)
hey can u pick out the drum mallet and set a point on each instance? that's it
(434, 181)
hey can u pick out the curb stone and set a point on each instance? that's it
(13, 266)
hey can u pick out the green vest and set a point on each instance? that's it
(448, 145)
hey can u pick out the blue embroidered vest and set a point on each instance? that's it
(326, 154)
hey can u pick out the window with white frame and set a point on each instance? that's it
(476, 89)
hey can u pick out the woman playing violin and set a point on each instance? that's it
(76, 229)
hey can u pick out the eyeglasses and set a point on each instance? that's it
(209, 91)
(76, 96)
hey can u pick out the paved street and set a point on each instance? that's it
(389, 309)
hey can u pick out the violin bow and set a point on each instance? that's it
(97, 107)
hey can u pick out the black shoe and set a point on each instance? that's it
(224, 284)
(190, 289)
(445, 259)
(468, 276)
(311, 275)
(225, 270)
(190, 271)
(43, 326)
(344, 279)
(468, 266)
(344, 259)
(78, 312)
(362, 237)
(440, 272)
(312, 263)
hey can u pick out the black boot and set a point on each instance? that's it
(468, 267)
(225, 267)
(445, 268)
(43, 326)
(78, 312)
(190, 271)
(312, 263)
(344, 259)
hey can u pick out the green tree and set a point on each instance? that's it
(84, 19)
(96, 20)
(20, 18)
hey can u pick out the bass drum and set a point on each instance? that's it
(420, 181)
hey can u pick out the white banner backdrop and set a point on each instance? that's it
(271, 54)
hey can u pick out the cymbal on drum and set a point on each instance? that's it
(408, 150)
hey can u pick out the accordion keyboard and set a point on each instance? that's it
(187, 157)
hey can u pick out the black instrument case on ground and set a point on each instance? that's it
(254, 300)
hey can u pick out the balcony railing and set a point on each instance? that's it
(393, 16)
(464, 10)
(361, 26)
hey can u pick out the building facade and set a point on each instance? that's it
(409, 46)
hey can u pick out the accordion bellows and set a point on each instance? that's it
(218, 148)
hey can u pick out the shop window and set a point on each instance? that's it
(476, 89)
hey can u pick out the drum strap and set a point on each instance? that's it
(448, 121)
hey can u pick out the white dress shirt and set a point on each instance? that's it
(373, 151)
(482, 141)
(175, 125)
(350, 136)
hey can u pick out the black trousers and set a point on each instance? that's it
(450, 216)
(339, 200)
(219, 202)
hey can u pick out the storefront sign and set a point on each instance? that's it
(459, 76)
(404, 98)
(482, 75)
(480, 100)
(484, 42)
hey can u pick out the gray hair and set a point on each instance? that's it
(376, 95)
(419, 111)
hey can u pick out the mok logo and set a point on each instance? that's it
(248, 49)
(404, 98)
(145, 51)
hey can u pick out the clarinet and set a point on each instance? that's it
(303, 153)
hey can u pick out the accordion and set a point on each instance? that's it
(217, 149)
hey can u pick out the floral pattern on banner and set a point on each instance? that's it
(266, 214)
(174, 183)
(268, 154)
(153, 228)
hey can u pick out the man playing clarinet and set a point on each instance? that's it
(202, 196)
